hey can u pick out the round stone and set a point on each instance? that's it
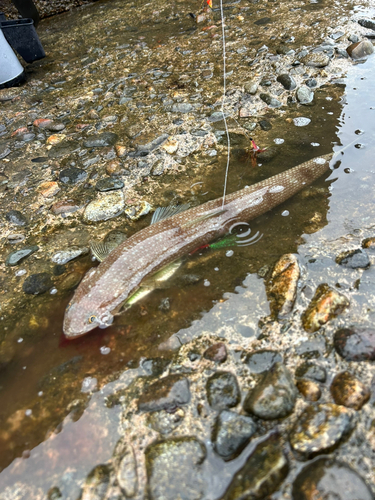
(316, 60)
(320, 428)
(271, 101)
(330, 479)
(37, 283)
(310, 390)
(312, 371)
(304, 95)
(355, 344)
(72, 175)
(105, 207)
(16, 217)
(101, 140)
(231, 433)
(263, 360)
(301, 121)
(223, 391)
(348, 391)
(109, 184)
(217, 352)
(287, 81)
(16, 257)
(360, 50)
(274, 396)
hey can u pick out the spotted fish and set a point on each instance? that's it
(142, 257)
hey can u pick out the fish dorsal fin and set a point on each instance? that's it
(101, 250)
(162, 213)
(204, 217)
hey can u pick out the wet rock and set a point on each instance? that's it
(368, 243)
(101, 140)
(355, 344)
(264, 471)
(251, 87)
(115, 237)
(42, 122)
(282, 288)
(108, 184)
(217, 352)
(268, 154)
(287, 81)
(4, 151)
(316, 60)
(106, 207)
(320, 428)
(55, 139)
(327, 478)
(16, 217)
(58, 270)
(304, 95)
(348, 391)
(223, 391)
(271, 101)
(16, 257)
(167, 393)
(261, 361)
(36, 284)
(70, 281)
(216, 116)
(182, 107)
(354, 259)
(113, 167)
(165, 422)
(137, 211)
(311, 83)
(231, 433)
(54, 493)
(97, 483)
(55, 127)
(326, 304)
(72, 175)
(312, 371)
(150, 146)
(265, 125)
(48, 189)
(274, 396)
(367, 23)
(64, 256)
(65, 207)
(126, 468)
(310, 390)
(174, 469)
(359, 50)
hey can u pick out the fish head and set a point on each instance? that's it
(81, 317)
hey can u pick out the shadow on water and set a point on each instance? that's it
(45, 417)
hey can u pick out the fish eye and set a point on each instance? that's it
(92, 319)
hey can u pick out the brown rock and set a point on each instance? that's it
(326, 304)
(65, 207)
(217, 352)
(42, 122)
(48, 189)
(310, 390)
(120, 150)
(113, 167)
(282, 288)
(368, 243)
(348, 391)
(360, 50)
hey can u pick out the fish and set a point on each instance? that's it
(156, 250)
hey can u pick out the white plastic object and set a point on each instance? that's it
(10, 67)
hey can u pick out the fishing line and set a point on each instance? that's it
(223, 101)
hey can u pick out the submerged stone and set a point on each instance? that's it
(320, 428)
(64, 256)
(232, 433)
(72, 175)
(316, 60)
(264, 471)
(310, 390)
(355, 344)
(312, 371)
(106, 207)
(282, 287)
(348, 391)
(36, 284)
(97, 483)
(126, 468)
(174, 469)
(271, 101)
(223, 391)
(354, 259)
(16, 257)
(360, 50)
(165, 422)
(165, 394)
(326, 304)
(109, 184)
(263, 360)
(327, 478)
(16, 217)
(101, 140)
(274, 396)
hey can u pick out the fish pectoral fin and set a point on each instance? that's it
(162, 213)
(157, 279)
(204, 217)
(101, 250)
(138, 295)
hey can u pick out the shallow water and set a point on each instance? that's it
(51, 433)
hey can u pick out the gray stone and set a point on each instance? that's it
(182, 107)
(287, 81)
(72, 175)
(311, 83)
(165, 394)
(354, 259)
(174, 469)
(106, 207)
(264, 471)
(14, 258)
(274, 396)
(272, 102)
(367, 23)
(320, 428)
(217, 116)
(126, 468)
(164, 422)
(36, 284)
(64, 256)
(262, 360)
(96, 484)
(304, 95)
(108, 184)
(316, 60)
(312, 371)
(16, 217)
(327, 478)
(251, 87)
(355, 344)
(101, 140)
(223, 391)
(231, 434)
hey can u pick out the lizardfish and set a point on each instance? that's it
(105, 289)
